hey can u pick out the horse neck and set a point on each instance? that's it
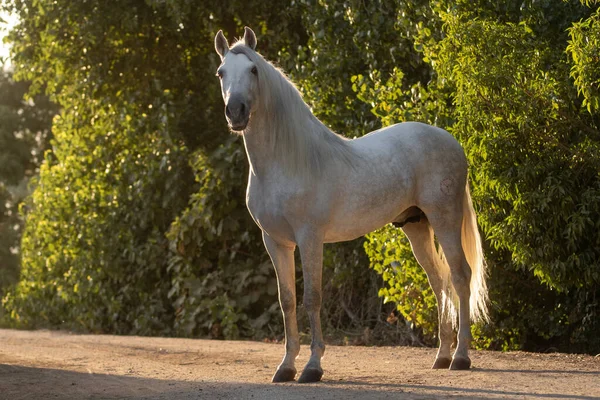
(272, 145)
(285, 136)
(258, 147)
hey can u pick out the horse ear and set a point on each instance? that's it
(221, 45)
(249, 38)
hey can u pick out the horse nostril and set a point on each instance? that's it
(227, 111)
(242, 109)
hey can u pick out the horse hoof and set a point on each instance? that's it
(310, 375)
(441, 363)
(284, 375)
(460, 363)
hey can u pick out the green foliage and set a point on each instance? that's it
(539, 318)
(100, 268)
(223, 282)
(584, 48)
(94, 251)
(406, 283)
(348, 38)
(532, 148)
(24, 136)
(537, 157)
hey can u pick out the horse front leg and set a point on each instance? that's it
(311, 253)
(283, 261)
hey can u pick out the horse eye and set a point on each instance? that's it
(220, 74)
(254, 70)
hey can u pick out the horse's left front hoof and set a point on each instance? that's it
(460, 363)
(442, 363)
(284, 375)
(310, 375)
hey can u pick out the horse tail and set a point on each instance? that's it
(471, 244)
(473, 250)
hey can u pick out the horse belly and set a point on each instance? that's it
(353, 228)
(366, 210)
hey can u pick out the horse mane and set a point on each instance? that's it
(302, 143)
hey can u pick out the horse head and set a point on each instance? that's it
(239, 79)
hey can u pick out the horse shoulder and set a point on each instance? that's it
(277, 205)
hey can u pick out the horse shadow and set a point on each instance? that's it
(23, 383)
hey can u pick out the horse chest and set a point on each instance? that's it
(267, 208)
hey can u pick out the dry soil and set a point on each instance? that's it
(60, 365)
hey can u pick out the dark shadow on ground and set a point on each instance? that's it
(24, 383)
(537, 371)
(454, 392)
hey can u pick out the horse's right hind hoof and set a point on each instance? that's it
(441, 363)
(284, 375)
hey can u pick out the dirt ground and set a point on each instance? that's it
(59, 365)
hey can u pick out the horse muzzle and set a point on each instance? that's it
(238, 127)
(237, 113)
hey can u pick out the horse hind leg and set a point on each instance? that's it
(447, 229)
(420, 235)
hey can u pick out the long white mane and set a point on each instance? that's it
(303, 144)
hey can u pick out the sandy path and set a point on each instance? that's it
(58, 365)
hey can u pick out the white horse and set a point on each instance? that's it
(308, 186)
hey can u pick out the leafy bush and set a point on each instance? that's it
(223, 282)
(24, 137)
(536, 151)
(137, 222)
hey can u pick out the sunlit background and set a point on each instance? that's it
(7, 21)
